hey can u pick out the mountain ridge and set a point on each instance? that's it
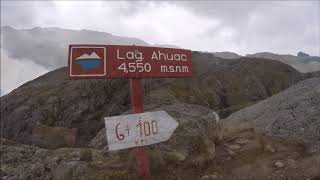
(48, 47)
(16, 39)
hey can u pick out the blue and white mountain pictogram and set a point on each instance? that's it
(87, 61)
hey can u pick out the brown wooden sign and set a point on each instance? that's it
(113, 61)
(134, 62)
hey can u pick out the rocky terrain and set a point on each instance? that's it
(79, 105)
(53, 128)
(201, 148)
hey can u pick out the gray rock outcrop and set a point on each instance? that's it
(293, 114)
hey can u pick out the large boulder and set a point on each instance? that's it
(293, 114)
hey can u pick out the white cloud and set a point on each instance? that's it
(15, 72)
(242, 27)
(170, 24)
(283, 27)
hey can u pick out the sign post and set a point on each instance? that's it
(142, 159)
(132, 62)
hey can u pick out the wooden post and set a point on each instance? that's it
(142, 159)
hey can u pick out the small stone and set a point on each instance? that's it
(209, 147)
(176, 156)
(292, 163)
(242, 141)
(232, 153)
(100, 163)
(234, 147)
(269, 148)
(279, 164)
(205, 177)
(67, 170)
(37, 168)
(12, 177)
(282, 176)
(213, 176)
(40, 153)
(209, 177)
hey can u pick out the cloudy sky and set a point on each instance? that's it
(243, 27)
(283, 27)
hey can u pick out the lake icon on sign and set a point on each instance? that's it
(86, 61)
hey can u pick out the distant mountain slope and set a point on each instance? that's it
(49, 46)
(303, 62)
(55, 101)
(227, 55)
(288, 59)
(167, 46)
(293, 114)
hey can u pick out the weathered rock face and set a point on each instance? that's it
(53, 100)
(293, 114)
